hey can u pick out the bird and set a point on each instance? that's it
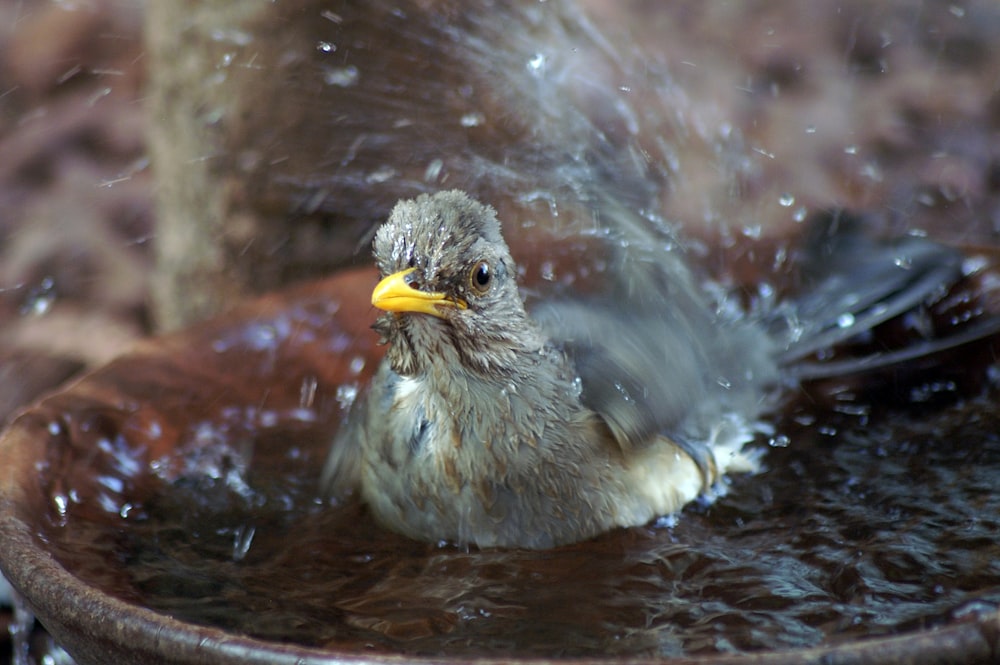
(491, 425)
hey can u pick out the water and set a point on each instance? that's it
(20, 632)
(892, 526)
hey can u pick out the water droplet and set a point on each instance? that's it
(116, 485)
(871, 171)
(974, 264)
(380, 175)
(332, 16)
(433, 170)
(20, 630)
(326, 47)
(623, 392)
(304, 415)
(810, 129)
(926, 199)
(307, 391)
(473, 119)
(666, 522)
(61, 504)
(786, 200)
(805, 419)
(548, 271)
(958, 12)
(261, 337)
(346, 394)
(851, 150)
(231, 36)
(268, 418)
(342, 77)
(845, 320)
(800, 214)
(242, 539)
(537, 63)
(779, 441)
(851, 409)
(40, 298)
(357, 364)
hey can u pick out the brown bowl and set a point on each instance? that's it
(287, 352)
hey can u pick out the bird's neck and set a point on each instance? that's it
(536, 375)
(521, 365)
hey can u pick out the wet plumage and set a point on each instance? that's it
(491, 425)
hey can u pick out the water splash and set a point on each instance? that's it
(342, 77)
(473, 119)
(536, 64)
(20, 632)
(433, 171)
(242, 539)
(40, 298)
(307, 392)
(346, 395)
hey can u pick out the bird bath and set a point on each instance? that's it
(165, 508)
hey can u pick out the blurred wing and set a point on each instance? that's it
(615, 359)
(654, 360)
(342, 470)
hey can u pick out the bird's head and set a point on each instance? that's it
(448, 288)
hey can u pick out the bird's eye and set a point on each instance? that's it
(480, 277)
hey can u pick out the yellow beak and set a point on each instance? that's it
(394, 294)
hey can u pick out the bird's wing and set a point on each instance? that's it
(614, 358)
(663, 370)
(653, 355)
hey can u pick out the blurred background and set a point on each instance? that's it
(751, 116)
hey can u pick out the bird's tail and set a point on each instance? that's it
(853, 284)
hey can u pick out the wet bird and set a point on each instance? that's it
(490, 425)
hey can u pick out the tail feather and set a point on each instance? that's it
(855, 283)
(809, 371)
(879, 303)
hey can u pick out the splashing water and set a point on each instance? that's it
(20, 632)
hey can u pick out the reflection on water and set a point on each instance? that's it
(895, 527)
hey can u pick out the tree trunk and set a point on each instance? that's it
(188, 104)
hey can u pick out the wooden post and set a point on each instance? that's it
(188, 107)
